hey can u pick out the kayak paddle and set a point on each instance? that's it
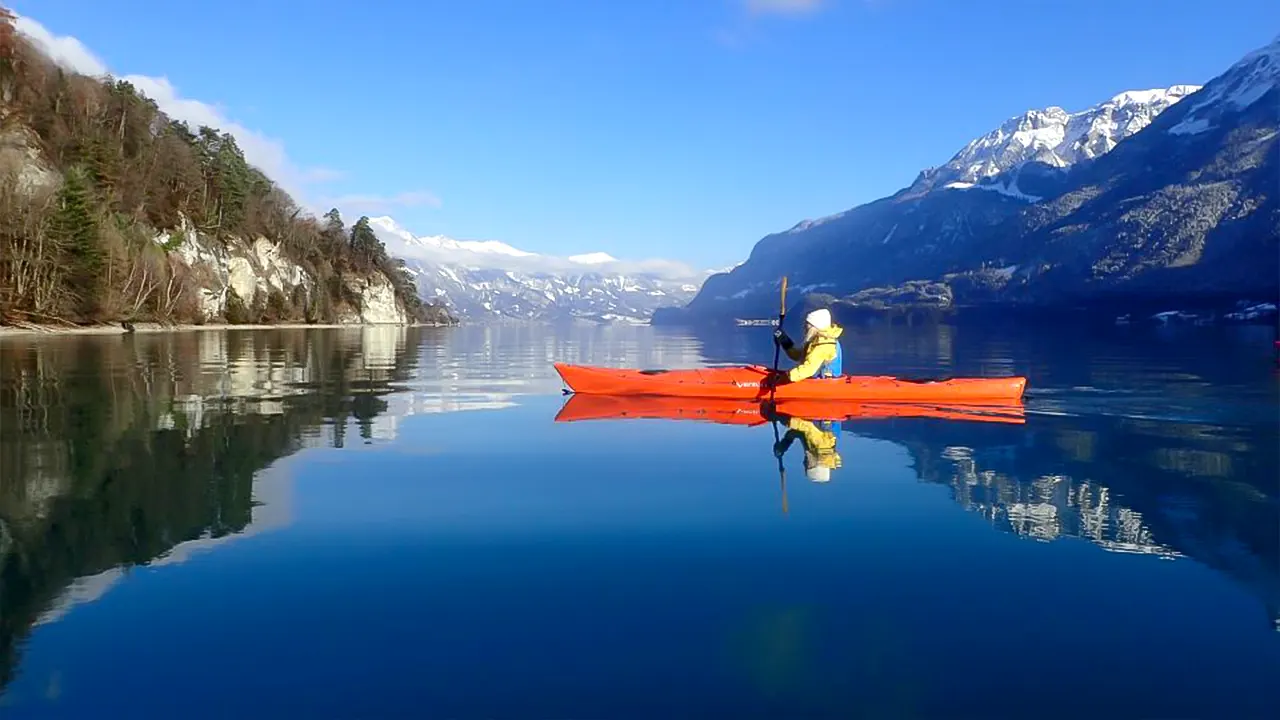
(777, 346)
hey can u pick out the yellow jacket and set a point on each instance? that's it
(819, 444)
(819, 349)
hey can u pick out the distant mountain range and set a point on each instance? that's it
(492, 280)
(1165, 193)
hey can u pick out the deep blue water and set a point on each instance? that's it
(389, 522)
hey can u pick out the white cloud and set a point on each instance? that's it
(354, 204)
(741, 28)
(66, 51)
(783, 7)
(264, 152)
(320, 175)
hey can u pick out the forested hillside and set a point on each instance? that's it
(100, 191)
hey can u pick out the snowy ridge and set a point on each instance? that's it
(1242, 85)
(489, 279)
(1053, 137)
(493, 254)
(1050, 136)
(441, 242)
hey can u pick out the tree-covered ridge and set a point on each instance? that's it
(84, 249)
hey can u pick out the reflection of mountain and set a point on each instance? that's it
(1163, 488)
(116, 452)
(1151, 441)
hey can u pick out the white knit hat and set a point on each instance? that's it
(820, 318)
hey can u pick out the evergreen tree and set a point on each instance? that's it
(333, 236)
(75, 228)
(367, 249)
(333, 222)
(232, 182)
(99, 156)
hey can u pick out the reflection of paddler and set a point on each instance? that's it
(819, 439)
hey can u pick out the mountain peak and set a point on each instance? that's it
(1053, 136)
(388, 224)
(1255, 76)
(1148, 97)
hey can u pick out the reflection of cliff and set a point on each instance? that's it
(123, 451)
(1164, 488)
(1049, 507)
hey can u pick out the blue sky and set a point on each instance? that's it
(683, 129)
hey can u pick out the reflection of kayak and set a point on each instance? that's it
(743, 382)
(749, 412)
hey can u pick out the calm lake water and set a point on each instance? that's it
(389, 522)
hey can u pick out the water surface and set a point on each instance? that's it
(388, 522)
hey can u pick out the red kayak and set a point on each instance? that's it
(744, 383)
(751, 413)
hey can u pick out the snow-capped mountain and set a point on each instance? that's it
(1244, 84)
(1051, 137)
(489, 279)
(1149, 194)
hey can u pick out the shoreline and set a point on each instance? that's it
(39, 330)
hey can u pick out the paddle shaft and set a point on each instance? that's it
(777, 346)
(777, 349)
(782, 471)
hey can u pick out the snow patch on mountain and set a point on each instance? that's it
(1242, 85)
(1009, 189)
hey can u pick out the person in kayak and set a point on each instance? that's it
(820, 356)
(819, 439)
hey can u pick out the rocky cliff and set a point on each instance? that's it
(1176, 202)
(235, 277)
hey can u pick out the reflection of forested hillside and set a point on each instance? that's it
(114, 451)
(1205, 492)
